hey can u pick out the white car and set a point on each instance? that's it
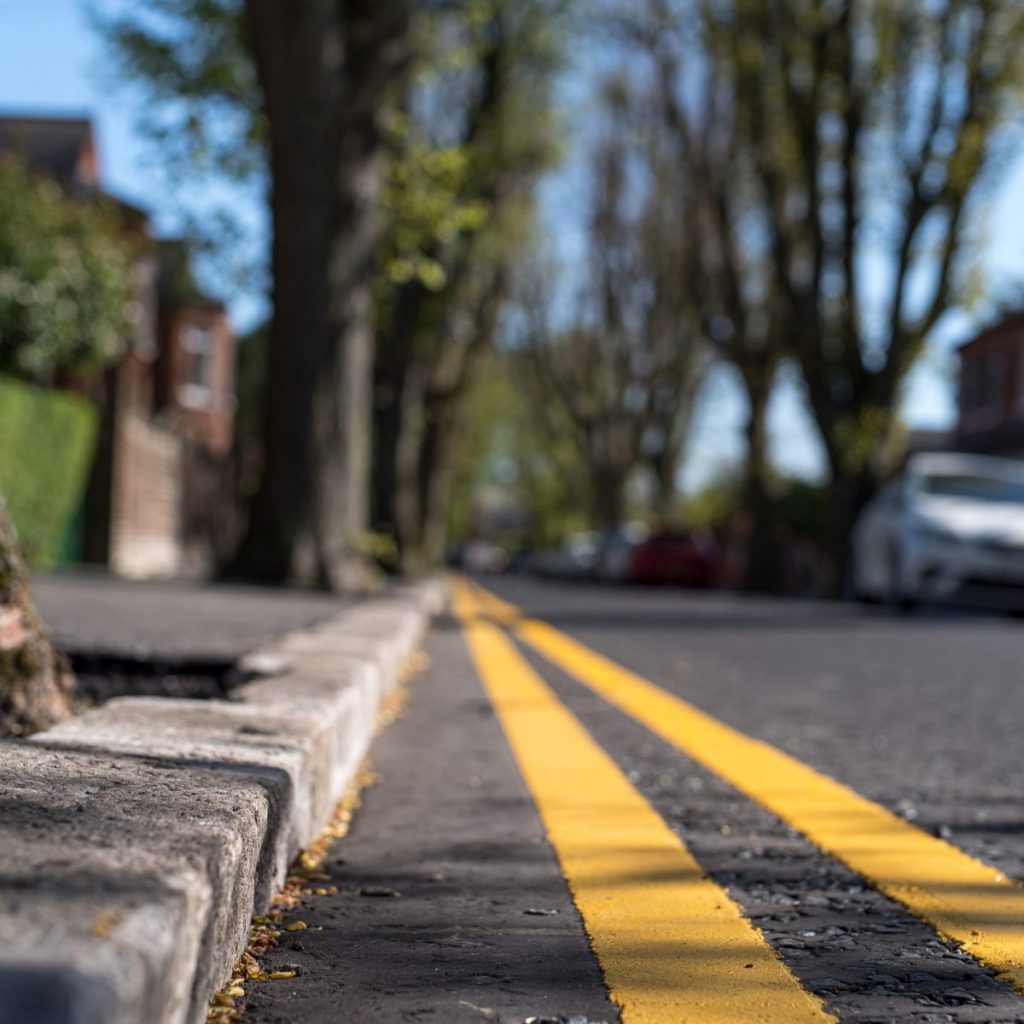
(948, 521)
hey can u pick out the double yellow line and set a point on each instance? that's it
(672, 945)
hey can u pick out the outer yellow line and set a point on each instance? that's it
(964, 899)
(672, 945)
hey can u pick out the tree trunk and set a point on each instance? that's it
(848, 494)
(435, 477)
(323, 69)
(664, 466)
(396, 414)
(608, 498)
(35, 681)
(388, 393)
(761, 572)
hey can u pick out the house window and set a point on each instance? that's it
(197, 379)
(198, 343)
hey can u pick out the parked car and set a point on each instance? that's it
(576, 558)
(483, 556)
(948, 521)
(617, 546)
(670, 556)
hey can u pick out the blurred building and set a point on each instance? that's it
(991, 399)
(160, 488)
(62, 148)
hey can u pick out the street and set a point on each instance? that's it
(604, 742)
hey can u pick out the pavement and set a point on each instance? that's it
(140, 839)
(659, 806)
(97, 615)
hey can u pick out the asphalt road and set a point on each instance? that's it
(921, 716)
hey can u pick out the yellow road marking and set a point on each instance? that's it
(964, 899)
(672, 945)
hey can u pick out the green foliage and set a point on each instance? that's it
(488, 64)
(716, 503)
(532, 460)
(425, 203)
(48, 443)
(203, 102)
(801, 505)
(65, 279)
(201, 113)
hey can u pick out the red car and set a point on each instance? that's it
(670, 557)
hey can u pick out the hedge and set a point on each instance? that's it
(47, 440)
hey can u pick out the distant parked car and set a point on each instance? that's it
(483, 556)
(576, 558)
(616, 556)
(948, 521)
(670, 556)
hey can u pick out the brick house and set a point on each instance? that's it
(195, 371)
(991, 396)
(155, 498)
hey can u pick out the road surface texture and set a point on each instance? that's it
(839, 836)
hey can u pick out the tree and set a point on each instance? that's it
(874, 128)
(324, 70)
(65, 294)
(65, 279)
(837, 145)
(308, 80)
(626, 372)
(35, 681)
(532, 460)
(718, 213)
(474, 133)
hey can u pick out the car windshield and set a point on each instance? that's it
(973, 485)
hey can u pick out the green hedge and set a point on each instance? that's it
(47, 439)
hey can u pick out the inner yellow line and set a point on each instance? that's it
(673, 947)
(964, 899)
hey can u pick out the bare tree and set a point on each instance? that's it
(495, 125)
(837, 143)
(873, 126)
(721, 218)
(626, 373)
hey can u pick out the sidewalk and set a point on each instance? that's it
(144, 835)
(92, 613)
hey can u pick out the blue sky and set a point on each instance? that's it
(54, 63)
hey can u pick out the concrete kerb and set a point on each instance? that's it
(138, 840)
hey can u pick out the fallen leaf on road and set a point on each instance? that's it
(103, 923)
